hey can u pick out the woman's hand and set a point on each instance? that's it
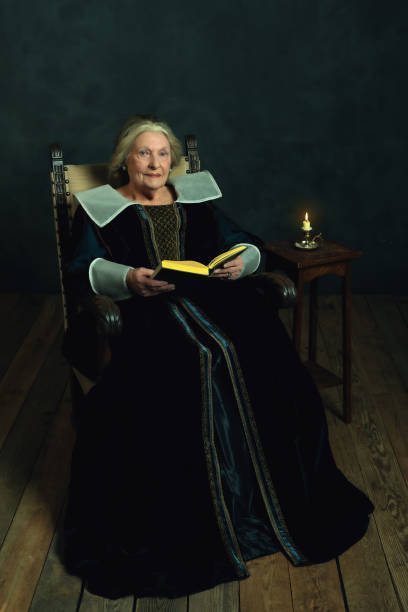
(230, 270)
(139, 281)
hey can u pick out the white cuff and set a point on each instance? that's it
(251, 257)
(109, 278)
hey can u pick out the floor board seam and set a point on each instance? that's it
(343, 590)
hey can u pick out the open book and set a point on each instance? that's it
(172, 270)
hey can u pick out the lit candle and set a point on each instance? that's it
(306, 227)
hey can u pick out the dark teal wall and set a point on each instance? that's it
(292, 102)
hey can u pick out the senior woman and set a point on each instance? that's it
(205, 444)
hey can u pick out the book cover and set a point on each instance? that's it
(173, 270)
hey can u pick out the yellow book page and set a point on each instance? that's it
(185, 266)
(224, 257)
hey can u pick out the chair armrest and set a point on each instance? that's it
(91, 331)
(277, 287)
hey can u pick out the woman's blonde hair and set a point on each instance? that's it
(130, 130)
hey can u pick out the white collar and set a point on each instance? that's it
(104, 203)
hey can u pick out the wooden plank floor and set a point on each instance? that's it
(36, 439)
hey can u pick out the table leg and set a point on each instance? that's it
(347, 345)
(313, 320)
(297, 315)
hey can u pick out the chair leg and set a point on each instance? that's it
(313, 320)
(77, 396)
(297, 316)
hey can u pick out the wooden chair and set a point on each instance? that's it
(93, 324)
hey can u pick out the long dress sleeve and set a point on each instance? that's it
(231, 235)
(89, 269)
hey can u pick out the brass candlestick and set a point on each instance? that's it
(308, 243)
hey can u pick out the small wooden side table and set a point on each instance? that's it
(307, 266)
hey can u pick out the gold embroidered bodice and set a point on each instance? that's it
(165, 220)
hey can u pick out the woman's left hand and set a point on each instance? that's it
(230, 270)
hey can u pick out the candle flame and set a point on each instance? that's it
(306, 217)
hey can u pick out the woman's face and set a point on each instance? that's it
(149, 161)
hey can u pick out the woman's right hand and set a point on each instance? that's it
(139, 281)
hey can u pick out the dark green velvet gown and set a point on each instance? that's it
(206, 443)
